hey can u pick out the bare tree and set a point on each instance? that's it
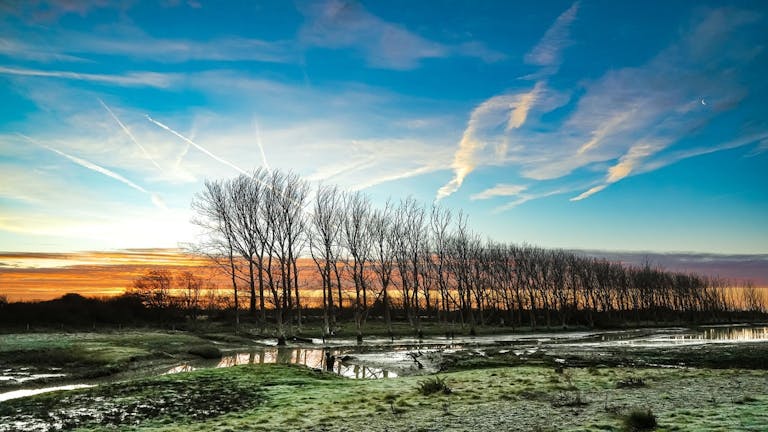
(410, 239)
(355, 223)
(439, 222)
(213, 215)
(380, 228)
(324, 241)
(244, 195)
(154, 288)
(257, 230)
(190, 287)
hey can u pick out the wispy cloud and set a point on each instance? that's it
(615, 122)
(343, 24)
(627, 165)
(23, 50)
(143, 47)
(500, 190)
(478, 134)
(488, 123)
(48, 11)
(131, 79)
(549, 49)
(491, 114)
(653, 114)
(372, 162)
(627, 122)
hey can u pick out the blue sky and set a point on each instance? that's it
(595, 124)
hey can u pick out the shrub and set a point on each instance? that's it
(640, 420)
(434, 385)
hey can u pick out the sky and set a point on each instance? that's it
(599, 125)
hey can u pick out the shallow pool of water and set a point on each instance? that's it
(29, 392)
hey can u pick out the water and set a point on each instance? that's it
(20, 376)
(314, 358)
(379, 358)
(683, 336)
(30, 392)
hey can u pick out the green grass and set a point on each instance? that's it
(530, 394)
(277, 397)
(638, 420)
(88, 355)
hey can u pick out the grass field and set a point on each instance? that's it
(596, 391)
(90, 355)
(276, 397)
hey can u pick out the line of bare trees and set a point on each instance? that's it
(419, 263)
(184, 291)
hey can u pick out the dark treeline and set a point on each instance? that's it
(417, 263)
(141, 305)
(292, 253)
(76, 310)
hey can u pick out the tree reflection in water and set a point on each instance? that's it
(314, 358)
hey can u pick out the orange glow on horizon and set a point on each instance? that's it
(45, 276)
(38, 276)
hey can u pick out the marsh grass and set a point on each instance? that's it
(638, 420)
(434, 385)
(91, 348)
(285, 398)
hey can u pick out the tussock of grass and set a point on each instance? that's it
(639, 420)
(434, 385)
(745, 400)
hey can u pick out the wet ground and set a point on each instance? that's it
(375, 358)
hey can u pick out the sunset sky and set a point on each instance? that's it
(601, 125)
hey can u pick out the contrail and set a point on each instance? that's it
(99, 169)
(130, 135)
(197, 146)
(225, 162)
(261, 146)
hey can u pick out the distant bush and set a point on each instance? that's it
(434, 385)
(640, 420)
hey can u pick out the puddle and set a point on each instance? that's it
(11, 377)
(30, 392)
